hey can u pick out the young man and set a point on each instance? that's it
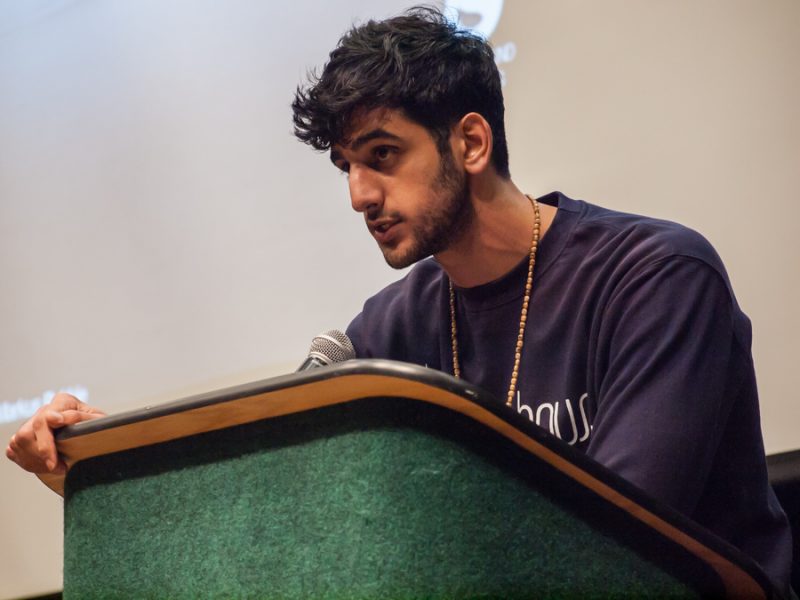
(617, 333)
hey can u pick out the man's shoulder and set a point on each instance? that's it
(401, 320)
(603, 247)
(422, 280)
(641, 238)
(401, 300)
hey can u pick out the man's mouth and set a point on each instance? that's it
(382, 229)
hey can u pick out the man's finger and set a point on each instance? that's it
(14, 445)
(63, 400)
(45, 443)
(54, 418)
(70, 417)
(26, 460)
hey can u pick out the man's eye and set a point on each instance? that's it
(382, 153)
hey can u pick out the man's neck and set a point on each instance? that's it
(499, 237)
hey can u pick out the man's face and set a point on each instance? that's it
(414, 200)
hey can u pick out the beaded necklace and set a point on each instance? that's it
(523, 316)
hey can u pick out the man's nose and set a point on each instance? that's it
(365, 193)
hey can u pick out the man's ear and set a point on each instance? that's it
(476, 142)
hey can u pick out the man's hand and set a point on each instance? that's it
(33, 447)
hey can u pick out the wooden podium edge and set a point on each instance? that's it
(356, 380)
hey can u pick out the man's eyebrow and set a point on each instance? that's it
(372, 135)
(375, 134)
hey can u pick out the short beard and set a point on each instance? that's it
(449, 218)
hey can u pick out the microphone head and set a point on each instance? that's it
(332, 347)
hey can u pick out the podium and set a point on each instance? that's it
(367, 479)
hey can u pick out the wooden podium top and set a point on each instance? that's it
(359, 379)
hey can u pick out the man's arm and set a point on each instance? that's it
(675, 365)
(33, 447)
(677, 411)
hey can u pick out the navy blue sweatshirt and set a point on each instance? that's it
(636, 353)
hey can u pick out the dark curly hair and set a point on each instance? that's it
(419, 62)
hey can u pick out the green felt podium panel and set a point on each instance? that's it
(369, 498)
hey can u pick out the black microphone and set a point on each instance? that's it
(327, 348)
